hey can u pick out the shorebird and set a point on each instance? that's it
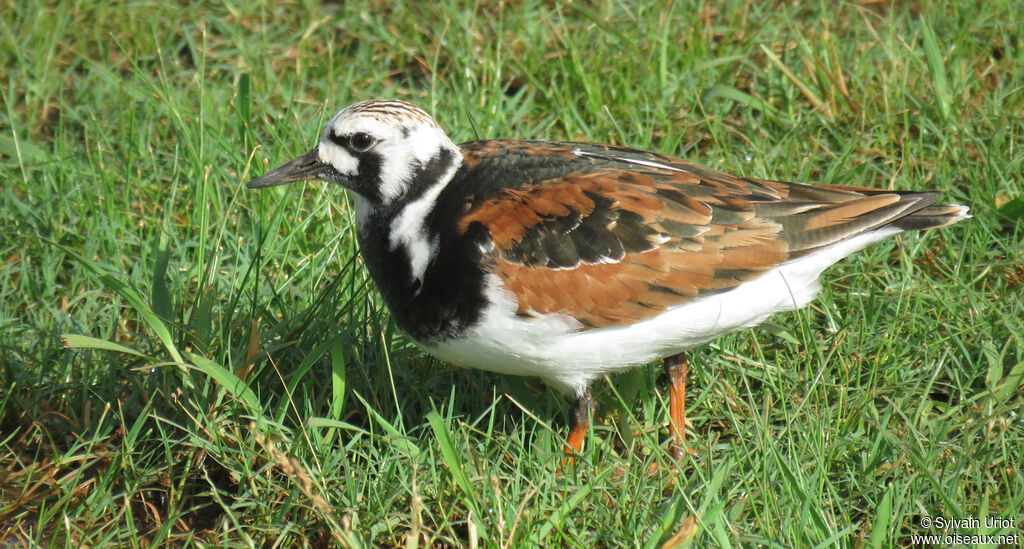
(568, 261)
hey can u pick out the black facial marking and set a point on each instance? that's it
(366, 182)
(450, 298)
(339, 140)
(425, 176)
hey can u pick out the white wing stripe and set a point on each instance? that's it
(647, 163)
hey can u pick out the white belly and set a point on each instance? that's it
(567, 358)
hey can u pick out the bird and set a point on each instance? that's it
(569, 261)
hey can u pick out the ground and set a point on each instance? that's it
(184, 361)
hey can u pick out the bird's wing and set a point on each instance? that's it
(611, 236)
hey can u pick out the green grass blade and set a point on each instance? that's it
(936, 68)
(204, 315)
(337, 379)
(743, 98)
(1011, 383)
(398, 439)
(244, 103)
(802, 86)
(27, 153)
(296, 376)
(882, 517)
(449, 455)
(451, 458)
(132, 296)
(560, 515)
(822, 530)
(77, 341)
(160, 296)
(229, 381)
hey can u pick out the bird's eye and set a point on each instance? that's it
(361, 141)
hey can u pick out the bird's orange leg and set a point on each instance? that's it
(675, 368)
(579, 423)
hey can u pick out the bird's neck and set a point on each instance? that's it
(427, 271)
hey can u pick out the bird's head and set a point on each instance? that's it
(379, 149)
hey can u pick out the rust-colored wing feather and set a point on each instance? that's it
(611, 236)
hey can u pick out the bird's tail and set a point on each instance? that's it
(933, 217)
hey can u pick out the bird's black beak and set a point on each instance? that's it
(302, 168)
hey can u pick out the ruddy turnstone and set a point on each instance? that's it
(567, 261)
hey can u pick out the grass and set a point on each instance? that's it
(186, 362)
